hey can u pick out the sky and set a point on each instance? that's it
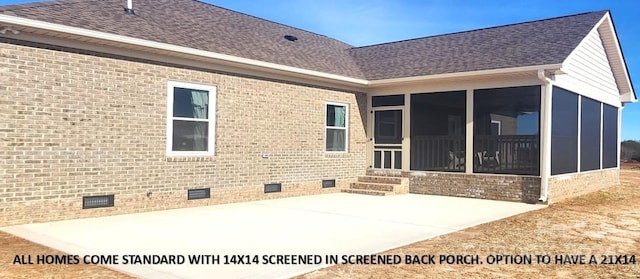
(367, 22)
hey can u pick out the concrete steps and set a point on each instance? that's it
(367, 192)
(379, 185)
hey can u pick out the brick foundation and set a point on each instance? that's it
(571, 185)
(62, 209)
(483, 186)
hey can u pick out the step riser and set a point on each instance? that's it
(380, 179)
(376, 187)
(366, 192)
(387, 172)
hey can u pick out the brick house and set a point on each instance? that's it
(108, 109)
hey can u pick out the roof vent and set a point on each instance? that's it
(291, 38)
(129, 8)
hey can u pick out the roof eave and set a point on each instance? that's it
(553, 68)
(240, 61)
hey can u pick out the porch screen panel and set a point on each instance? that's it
(506, 137)
(590, 135)
(438, 131)
(609, 137)
(564, 132)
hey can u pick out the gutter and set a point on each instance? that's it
(557, 68)
(545, 168)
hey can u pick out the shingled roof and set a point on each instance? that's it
(207, 27)
(201, 26)
(542, 42)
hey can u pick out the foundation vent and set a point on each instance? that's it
(328, 183)
(97, 201)
(273, 187)
(196, 194)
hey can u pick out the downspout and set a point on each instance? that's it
(545, 166)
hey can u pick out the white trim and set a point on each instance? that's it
(601, 133)
(625, 96)
(406, 135)
(546, 109)
(579, 132)
(391, 81)
(211, 119)
(388, 108)
(345, 128)
(619, 142)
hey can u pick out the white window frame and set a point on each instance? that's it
(171, 85)
(345, 128)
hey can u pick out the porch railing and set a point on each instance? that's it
(508, 154)
(505, 154)
(437, 153)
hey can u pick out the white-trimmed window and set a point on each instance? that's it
(336, 127)
(190, 119)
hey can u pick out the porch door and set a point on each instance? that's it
(387, 138)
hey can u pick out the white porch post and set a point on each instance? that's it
(601, 133)
(406, 128)
(619, 139)
(545, 136)
(369, 151)
(468, 160)
(579, 166)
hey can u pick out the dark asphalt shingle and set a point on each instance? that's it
(540, 42)
(207, 27)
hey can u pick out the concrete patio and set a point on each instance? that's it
(330, 224)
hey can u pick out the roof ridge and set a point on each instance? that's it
(274, 22)
(480, 29)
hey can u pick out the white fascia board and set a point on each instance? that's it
(19, 21)
(630, 96)
(556, 68)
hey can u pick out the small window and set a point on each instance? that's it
(190, 119)
(336, 127)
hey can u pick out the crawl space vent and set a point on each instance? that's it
(97, 201)
(328, 183)
(273, 187)
(195, 194)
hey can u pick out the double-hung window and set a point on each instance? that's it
(336, 127)
(191, 119)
